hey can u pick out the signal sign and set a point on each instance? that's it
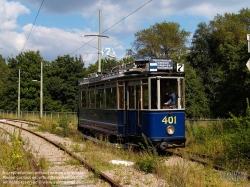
(180, 67)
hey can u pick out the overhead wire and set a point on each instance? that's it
(113, 25)
(32, 26)
(127, 16)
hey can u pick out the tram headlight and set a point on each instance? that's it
(170, 130)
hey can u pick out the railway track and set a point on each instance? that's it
(58, 175)
(120, 174)
(39, 178)
(205, 160)
(111, 178)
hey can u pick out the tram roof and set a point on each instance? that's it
(139, 68)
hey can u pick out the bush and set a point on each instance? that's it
(64, 124)
(237, 140)
(227, 142)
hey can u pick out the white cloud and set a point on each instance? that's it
(9, 12)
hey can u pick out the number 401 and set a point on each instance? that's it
(169, 120)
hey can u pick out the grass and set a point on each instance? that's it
(12, 159)
(224, 141)
(43, 164)
(216, 139)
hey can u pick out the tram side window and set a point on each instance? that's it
(91, 99)
(120, 97)
(153, 94)
(182, 99)
(84, 99)
(131, 97)
(144, 96)
(100, 98)
(111, 99)
(138, 96)
(169, 86)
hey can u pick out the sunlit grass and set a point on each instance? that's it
(13, 158)
(183, 173)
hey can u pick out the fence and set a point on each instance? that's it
(47, 115)
(55, 116)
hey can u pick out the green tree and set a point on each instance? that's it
(196, 100)
(162, 40)
(228, 38)
(219, 54)
(3, 80)
(29, 64)
(63, 74)
(200, 58)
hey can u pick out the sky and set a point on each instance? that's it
(59, 27)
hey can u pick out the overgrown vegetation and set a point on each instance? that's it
(226, 141)
(147, 160)
(12, 158)
(213, 138)
(64, 127)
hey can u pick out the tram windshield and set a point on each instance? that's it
(167, 93)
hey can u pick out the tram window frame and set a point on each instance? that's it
(100, 98)
(158, 87)
(145, 96)
(120, 96)
(91, 96)
(182, 93)
(131, 97)
(111, 97)
(138, 96)
(84, 99)
(153, 93)
(135, 94)
(167, 83)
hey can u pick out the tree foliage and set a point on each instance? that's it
(162, 40)
(196, 100)
(219, 54)
(62, 83)
(3, 79)
(29, 65)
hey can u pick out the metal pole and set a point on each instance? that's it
(248, 39)
(99, 41)
(41, 92)
(18, 94)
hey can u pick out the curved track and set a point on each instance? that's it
(71, 154)
(204, 160)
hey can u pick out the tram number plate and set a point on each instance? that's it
(169, 120)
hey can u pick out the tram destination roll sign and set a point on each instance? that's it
(161, 64)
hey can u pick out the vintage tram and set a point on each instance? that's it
(128, 102)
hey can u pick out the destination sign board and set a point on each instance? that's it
(161, 64)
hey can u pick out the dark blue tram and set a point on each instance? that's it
(129, 102)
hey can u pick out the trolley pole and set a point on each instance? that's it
(99, 41)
